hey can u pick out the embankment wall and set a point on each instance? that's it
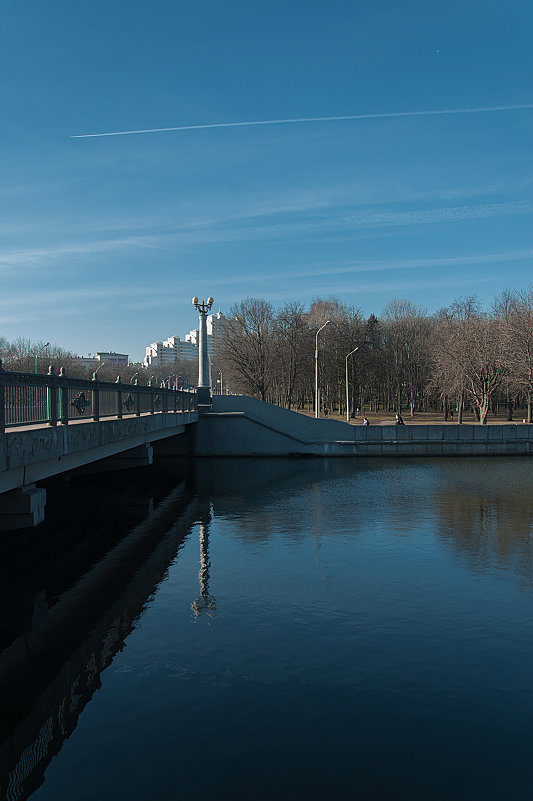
(239, 425)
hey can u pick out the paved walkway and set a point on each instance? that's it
(76, 421)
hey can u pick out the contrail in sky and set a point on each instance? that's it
(429, 113)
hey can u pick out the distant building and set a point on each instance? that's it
(189, 351)
(162, 354)
(215, 327)
(216, 324)
(113, 359)
(86, 362)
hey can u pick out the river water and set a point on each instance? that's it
(273, 629)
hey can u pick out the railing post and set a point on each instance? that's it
(63, 398)
(138, 399)
(2, 400)
(51, 397)
(119, 398)
(96, 399)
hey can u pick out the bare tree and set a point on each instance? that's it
(447, 378)
(470, 353)
(293, 354)
(247, 346)
(519, 339)
(24, 355)
(406, 331)
(345, 332)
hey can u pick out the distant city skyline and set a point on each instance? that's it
(411, 177)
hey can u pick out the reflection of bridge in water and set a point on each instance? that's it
(49, 674)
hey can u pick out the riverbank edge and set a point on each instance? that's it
(245, 426)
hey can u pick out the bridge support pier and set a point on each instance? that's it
(141, 456)
(22, 508)
(136, 457)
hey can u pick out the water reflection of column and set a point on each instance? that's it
(204, 602)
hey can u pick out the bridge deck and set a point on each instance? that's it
(31, 453)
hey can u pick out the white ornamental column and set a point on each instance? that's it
(204, 385)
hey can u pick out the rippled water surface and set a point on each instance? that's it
(294, 629)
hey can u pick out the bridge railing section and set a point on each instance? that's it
(37, 399)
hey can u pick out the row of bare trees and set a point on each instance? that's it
(28, 356)
(463, 357)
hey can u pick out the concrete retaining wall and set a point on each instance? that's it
(239, 425)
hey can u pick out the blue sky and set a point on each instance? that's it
(103, 241)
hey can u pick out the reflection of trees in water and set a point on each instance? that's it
(481, 508)
(488, 528)
(341, 504)
(284, 514)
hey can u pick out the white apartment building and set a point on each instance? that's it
(161, 354)
(215, 327)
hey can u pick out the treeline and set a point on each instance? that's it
(28, 356)
(463, 357)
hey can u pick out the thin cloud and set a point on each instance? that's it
(250, 123)
(354, 291)
(379, 266)
(313, 227)
(68, 301)
(14, 258)
(308, 228)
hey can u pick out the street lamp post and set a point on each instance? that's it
(347, 394)
(204, 384)
(40, 350)
(99, 368)
(317, 397)
(219, 380)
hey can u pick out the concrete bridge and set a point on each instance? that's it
(52, 424)
(55, 424)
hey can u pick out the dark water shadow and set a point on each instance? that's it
(71, 601)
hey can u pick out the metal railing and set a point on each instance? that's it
(37, 399)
